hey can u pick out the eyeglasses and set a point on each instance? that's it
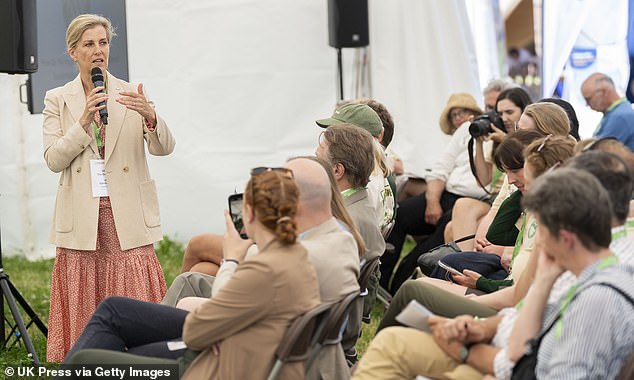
(263, 169)
(541, 146)
(457, 112)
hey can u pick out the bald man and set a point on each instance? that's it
(337, 269)
(618, 117)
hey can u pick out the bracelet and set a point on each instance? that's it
(230, 261)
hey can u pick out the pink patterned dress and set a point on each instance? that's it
(82, 279)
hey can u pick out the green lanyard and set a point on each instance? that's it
(97, 131)
(613, 105)
(348, 192)
(618, 233)
(520, 238)
(607, 262)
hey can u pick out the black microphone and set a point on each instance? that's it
(97, 80)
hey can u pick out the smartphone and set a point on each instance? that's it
(449, 269)
(235, 209)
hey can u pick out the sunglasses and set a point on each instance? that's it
(263, 169)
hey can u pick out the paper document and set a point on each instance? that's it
(415, 315)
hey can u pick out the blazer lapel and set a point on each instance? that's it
(76, 102)
(116, 114)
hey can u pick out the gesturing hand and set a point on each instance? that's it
(137, 102)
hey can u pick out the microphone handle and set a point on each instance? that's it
(103, 113)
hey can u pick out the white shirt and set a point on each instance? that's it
(453, 168)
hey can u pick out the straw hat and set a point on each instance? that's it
(459, 100)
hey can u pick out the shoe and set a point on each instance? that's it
(351, 356)
(366, 319)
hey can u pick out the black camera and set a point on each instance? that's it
(481, 125)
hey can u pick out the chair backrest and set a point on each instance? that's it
(300, 337)
(366, 270)
(333, 328)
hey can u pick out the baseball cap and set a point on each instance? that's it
(360, 115)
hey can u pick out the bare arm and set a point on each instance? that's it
(433, 210)
(529, 322)
(482, 356)
(483, 169)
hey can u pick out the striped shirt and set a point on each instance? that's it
(598, 328)
(621, 246)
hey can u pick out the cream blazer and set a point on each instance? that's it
(68, 150)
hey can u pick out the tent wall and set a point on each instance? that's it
(240, 83)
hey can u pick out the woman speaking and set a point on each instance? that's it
(106, 216)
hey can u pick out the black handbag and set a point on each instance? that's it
(524, 369)
(428, 260)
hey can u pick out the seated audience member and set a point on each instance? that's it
(520, 254)
(314, 221)
(496, 261)
(468, 212)
(272, 288)
(427, 214)
(618, 117)
(318, 231)
(544, 117)
(349, 150)
(564, 201)
(415, 185)
(570, 112)
(379, 191)
(465, 348)
(394, 161)
(451, 303)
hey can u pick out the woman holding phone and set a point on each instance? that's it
(244, 322)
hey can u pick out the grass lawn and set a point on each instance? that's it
(33, 278)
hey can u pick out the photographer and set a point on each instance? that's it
(469, 214)
(450, 178)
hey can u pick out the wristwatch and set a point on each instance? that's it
(464, 352)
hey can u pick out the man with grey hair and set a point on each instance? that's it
(618, 117)
(493, 89)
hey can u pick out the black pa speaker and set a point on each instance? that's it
(18, 36)
(348, 23)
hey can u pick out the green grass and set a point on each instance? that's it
(33, 278)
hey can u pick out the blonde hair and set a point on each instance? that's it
(83, 22)
(547, 152)
(549, 118)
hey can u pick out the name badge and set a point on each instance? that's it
(98, 178)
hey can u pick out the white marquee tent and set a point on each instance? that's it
(240, 83)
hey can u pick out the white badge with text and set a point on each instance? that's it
(98, 178)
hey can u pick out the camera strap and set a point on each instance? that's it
(472, 165)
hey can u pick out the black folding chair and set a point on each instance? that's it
(300, 338)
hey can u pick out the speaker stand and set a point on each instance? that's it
(10, 293)
(339, 75)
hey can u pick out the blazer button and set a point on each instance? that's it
(82, 146)
(78, 170)
(126, 169)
